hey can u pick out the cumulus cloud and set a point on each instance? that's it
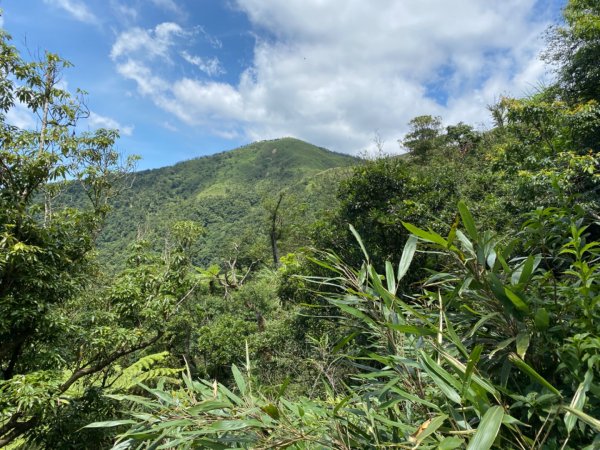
(149, 43)
(75, 8)
(139, 54)
(21, 117)
(147, 83)
(98, 121)
(333, 73)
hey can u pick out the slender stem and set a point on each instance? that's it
(441, 325)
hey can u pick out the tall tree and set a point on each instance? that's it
(575, 50)
(58, 329)
(423, 136)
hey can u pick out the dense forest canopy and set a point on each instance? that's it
(282, 296)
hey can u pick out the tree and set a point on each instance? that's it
(423, 136)
(463, 137)
(575, 51)
(275, 225)
(497, 351)
(284, 211)
(58, 327)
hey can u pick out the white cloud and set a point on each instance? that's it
(169, 5)
(21, 117)
(76, 8)
(139, 53)
(147, 83)
(210, 66)
(98, 121)
(334, 72)
(147, 43)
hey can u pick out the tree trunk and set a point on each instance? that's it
(273, 234)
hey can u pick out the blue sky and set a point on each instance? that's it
(182, 79)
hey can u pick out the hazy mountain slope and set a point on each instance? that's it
(227, 193)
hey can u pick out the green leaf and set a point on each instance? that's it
(174, 424)
(522, 343)
(466, 243)
(542, 319)
(429, 236)
(390, 278)
(239, 379)
(413, 398)
(487, 430)
(499, 291)
(233, 425)
(501, 346)
(442, 379)
(342, 403)
(468, 221)
(283, 387)
(208, 405)
(342, 342)
(462, 370)
(591, 421)
(523, 273)
(385, 295)
(578, 401)
(527, 369)
(517, 300)
(407, 256)
(428, 428)
(481, 322)
(352, 311)
(471, 363)
(450, 443)
(234, 398)
(110, 423)
(452, 233)
(360, 242)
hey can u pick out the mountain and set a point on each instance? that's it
(229, 194)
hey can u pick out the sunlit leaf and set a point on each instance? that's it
(487, 430)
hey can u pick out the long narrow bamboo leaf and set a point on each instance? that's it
(467, 220)
(407, 256)
(487, 430)
(527, 369)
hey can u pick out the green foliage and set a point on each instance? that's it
(223, 341)
(575, 49)
(225, 194)
(423, 136)
(462, 364)
(482, 333)
(62, 331)
(380, 194)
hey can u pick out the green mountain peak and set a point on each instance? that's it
(224, 192)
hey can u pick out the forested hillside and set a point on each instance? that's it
(281, 296)
(232, 195)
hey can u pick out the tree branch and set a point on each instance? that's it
(105, 362)
(13, 428)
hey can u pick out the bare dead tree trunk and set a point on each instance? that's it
(274, 232)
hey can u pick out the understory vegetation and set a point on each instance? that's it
(283, 296)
